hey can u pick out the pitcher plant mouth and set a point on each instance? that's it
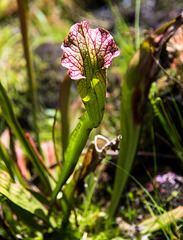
(87, 54)
(87, 50)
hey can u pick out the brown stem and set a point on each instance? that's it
(23, 16)
(64, 109)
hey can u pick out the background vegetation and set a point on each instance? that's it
(151, 204)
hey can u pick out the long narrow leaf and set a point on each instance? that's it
(23, 16)
(16, 193)
(11, 166)
(77, 142)
(5, 158)
(9, 115)
(64, 109)
(142, 71)
(26, 217)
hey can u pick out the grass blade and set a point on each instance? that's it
(23, 15)
(11, 166)
(10, 118)
(157, 222)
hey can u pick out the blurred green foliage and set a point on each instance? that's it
(49, 25)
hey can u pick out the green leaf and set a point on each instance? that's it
(12, 168)
(142, 71)
(77, 142)
(16, 193)
(10, 118)
(3, 156)
(26, 217)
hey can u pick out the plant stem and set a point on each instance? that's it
(23, 16)
(77, 142)
(137, 17)
(64, 109)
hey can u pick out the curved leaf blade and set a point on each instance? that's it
(142, 71)
(17, 194)
(10, 118)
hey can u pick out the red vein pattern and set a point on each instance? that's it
(87, 50)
